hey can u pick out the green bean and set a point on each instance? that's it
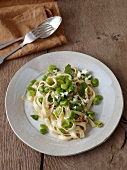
(60, 82)
(43, 126)
(66, 78)
(62, 130)
(69, 89)
(44, 77)
(58, 90)
(58, 111)
(91, 117)
(67, 124)
(95, 82)
(49, 81)
(71, 120)
(51, 68)
(89, 112)
(96, 101)
(61, 78)
(99, 124)
(35, 117)
(43, 131)
(71, 114)
(29, 88)
(32, 82)
(99, 97)
(68, 82)
(64, 86)
(32, 93)
(63, 103)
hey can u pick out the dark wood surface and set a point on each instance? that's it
(97, 28)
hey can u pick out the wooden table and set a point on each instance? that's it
(97, 28)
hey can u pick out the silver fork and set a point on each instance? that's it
(14, 41)
(44, 30)
(54, 21)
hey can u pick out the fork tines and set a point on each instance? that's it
(42, 29)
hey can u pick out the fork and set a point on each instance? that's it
(43, 30)
(53, 21)
(13, 41)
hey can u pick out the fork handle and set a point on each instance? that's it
(11, 52)
(10, 42)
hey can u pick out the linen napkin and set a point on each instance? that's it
(19, 17)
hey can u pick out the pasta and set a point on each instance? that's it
(63, 100)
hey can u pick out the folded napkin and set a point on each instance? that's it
(18, 18)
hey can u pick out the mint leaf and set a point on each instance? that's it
(68, 70)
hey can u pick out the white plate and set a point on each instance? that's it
(109, 111)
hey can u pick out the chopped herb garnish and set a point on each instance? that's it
(35, 117)
(83, 86)
(68, 70)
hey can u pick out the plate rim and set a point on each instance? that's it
(44, 55)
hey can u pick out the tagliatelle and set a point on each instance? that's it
(62, 100)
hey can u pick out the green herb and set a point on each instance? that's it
(68, 70)
(83, 86)
(35, 117)
(43, 129)
(79, 108)
(50, 99)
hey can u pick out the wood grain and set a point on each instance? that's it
(14, 154)
(97, 28)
